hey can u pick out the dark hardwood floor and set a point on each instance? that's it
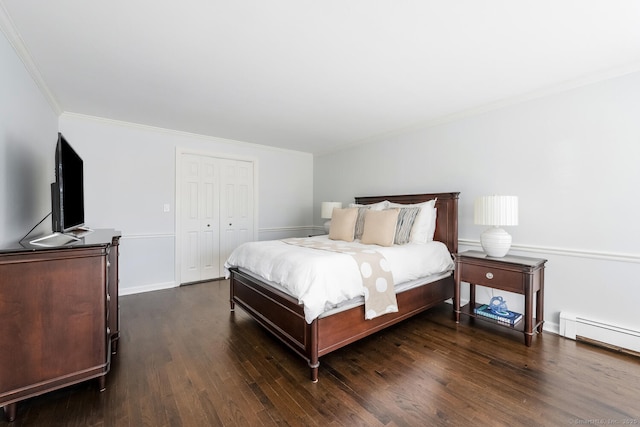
(185, 360)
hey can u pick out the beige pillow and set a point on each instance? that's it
(380, 227)
(343, 224)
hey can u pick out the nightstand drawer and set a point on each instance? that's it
(492, 277)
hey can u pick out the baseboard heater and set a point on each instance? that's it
(596, 332)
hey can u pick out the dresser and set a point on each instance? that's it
(59, 315)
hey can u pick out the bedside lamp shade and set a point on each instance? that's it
(496, 211)
(327, 211)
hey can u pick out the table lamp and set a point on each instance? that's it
(327, 211)
(496, 211)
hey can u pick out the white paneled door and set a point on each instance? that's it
(236, 205)
(200, 218)
(216, 213)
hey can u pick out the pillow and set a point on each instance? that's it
(424, 227)
(360, 222)
(343, 224)
(375, 206)
(362, 210)
(380, 227)
(406, 218)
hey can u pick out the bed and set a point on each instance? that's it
(283, 316)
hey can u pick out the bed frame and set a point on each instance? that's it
(281, 314)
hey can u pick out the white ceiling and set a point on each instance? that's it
(313, 75)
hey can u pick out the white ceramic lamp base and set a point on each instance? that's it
(327, 226)
(495, 242)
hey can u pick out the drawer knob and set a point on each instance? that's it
(489, 275)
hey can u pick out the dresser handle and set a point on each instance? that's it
(489, 275)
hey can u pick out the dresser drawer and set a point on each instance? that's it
(493, 277)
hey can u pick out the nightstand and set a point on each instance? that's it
(521, 275)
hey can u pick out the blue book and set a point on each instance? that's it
(508, 317)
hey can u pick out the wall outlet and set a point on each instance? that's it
(166, 207)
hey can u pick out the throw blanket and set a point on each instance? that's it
(379, 292)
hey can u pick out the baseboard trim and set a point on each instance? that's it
(146, 288)
(601, 333)
(607, 346)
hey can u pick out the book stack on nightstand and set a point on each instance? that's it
(508, 317)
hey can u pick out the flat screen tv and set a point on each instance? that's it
(67, 192)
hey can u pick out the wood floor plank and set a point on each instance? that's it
(185, 360)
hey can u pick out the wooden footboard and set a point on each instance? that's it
(278, 312)
(284, 317)
(281, 314)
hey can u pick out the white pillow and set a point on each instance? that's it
(424, 227)
(375, 206)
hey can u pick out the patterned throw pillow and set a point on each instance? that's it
(406, 218)
(360, 222)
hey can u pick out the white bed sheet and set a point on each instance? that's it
(359, 300)
(322, 279)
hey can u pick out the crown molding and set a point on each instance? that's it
(15, 40)
(499, 104)
(180, 133)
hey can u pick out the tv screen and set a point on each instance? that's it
(67, 192)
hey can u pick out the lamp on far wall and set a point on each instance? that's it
(496, 211)
(327, 211)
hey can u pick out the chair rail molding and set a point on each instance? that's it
(577, 253)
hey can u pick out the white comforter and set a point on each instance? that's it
(321, 279)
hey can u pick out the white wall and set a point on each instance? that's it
(130, 176)
(572, 158)
(28, 133)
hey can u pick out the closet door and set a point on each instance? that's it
(236, 205)
(199, 218)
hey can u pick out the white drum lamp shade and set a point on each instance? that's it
(327, 211)
(496, 211)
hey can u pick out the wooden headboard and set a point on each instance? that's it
(446, 205)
